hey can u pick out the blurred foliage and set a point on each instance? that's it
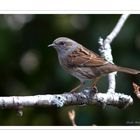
(29, 67)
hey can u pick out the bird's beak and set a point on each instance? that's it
(51, 45)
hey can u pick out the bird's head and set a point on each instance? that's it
(64, 45)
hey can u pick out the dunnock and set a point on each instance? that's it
(82, 63)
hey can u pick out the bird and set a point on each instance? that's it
(83, 63)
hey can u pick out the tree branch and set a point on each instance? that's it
(85, 97)
(105, 50)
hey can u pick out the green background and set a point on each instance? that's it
(29, 67)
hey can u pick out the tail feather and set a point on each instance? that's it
(128, 70)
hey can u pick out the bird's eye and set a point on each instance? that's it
(61, 43)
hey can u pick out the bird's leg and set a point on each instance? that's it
(76, 88)
(93, 86)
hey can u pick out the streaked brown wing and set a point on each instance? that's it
(84, 58)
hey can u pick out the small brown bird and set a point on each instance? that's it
(82, 63)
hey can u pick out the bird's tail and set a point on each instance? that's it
(128, 70)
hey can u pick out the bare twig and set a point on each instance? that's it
(105, 50)
(136, 90)
(116, 29)
(72, 117)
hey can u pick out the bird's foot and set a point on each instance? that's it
(94, 89)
